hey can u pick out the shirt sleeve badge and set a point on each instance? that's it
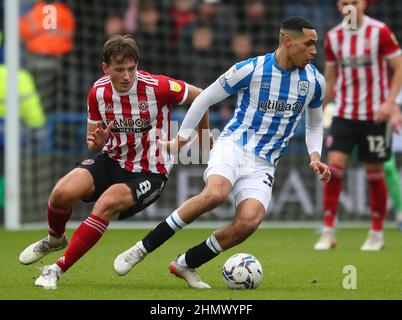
(174, 86)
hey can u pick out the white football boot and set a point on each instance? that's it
(40, 249)
(327, 241)
(188, 274)
(374, 241)
(48, 277)
(125, 261)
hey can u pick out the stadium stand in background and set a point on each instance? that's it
(194, 40)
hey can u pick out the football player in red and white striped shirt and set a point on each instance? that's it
(128, 111)
(358, 58)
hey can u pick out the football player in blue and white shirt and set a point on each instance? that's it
(273, 91)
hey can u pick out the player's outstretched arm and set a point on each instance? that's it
(396, 118)
(320, 168)
(97, 134)
(205, 138)
(314, 137)
(210, 96)
(385, 111)
(330, 75)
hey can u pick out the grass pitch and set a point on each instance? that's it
(292, 269)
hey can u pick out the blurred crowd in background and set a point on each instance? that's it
(192, 40)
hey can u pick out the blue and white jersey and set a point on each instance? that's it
(270, 103)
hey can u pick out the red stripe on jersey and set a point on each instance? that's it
(355, 77)
(144, 115)
(369, 74)
(381, 82)
(159, 125)
(132, 150)
(108, 98)
(343, 84)
(368, 78)
(127, 114)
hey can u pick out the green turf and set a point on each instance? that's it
(292, 270)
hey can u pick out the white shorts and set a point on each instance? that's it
(251, 176)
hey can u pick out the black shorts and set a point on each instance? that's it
(146, 187)
(373, 141)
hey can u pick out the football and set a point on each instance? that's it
(242, 271)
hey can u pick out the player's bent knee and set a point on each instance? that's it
(241, 232)
(248, 227)
(213, 198)
(60, 196)
(337, 159)
(66, 191)
(108, 205)
(248, 223)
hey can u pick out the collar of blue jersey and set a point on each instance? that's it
(276, 64)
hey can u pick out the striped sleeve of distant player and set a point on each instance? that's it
(389, 46)
(94, 115)
(314, 129)
(330, 58)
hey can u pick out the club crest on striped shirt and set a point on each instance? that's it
(143, 106)
(303, 87)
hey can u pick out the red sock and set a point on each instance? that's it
(57, 219)
(378, 198)
(83, 239)
(332, 190)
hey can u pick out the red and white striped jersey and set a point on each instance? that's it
(140, 116)
(363, 72)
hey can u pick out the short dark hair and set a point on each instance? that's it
(119, 49)
(296, 24)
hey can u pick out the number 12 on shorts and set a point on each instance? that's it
(377, 145)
